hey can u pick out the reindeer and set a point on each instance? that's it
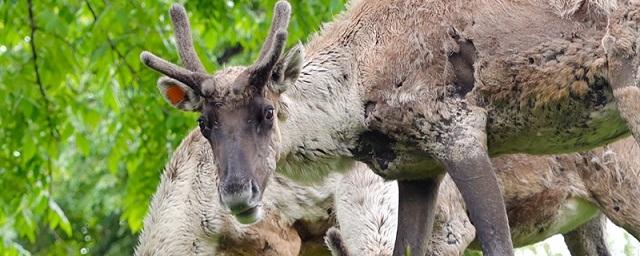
(548, 195)
(186, 218)
(416, 88)
(567, 194)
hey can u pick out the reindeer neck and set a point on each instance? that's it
(325, 115)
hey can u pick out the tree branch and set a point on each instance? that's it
(52, 128)
(34, 56)
(229, 53)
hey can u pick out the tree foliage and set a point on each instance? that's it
(84, 133)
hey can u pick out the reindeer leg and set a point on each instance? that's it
(416, 213)
(588, 239)
(463, 153)
(460, 145)
(452, 231)
(621, 44)
(477, 182)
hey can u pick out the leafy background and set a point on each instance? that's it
(84, 133)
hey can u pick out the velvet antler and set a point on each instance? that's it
(273, 45)
(194, 74)
(182, 31)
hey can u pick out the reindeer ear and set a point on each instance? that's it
(179, 95)
(287, 69)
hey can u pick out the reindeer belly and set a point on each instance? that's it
(535, 221)
(549, 99)
(532, 222)
(576, 124)
(543, 195)
(394, 160)
(544, 84)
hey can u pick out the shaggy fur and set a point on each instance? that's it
(366, 210)
(540, 193)
(186, 218)
(414, 88)
(531, 81)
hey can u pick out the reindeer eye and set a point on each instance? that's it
(204, 125)
(268, 113)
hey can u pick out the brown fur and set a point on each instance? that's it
(263, 238)
(612, 176)
(442, 83)
(185, 217)
(536, 187)
(535, 209)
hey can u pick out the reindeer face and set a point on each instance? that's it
(239, 109)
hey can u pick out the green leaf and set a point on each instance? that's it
(26, 225)
(110, 99)
(83, 144)
(64, 222)
(28, 148)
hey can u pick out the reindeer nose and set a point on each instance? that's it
(240, 196)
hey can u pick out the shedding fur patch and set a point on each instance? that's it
(462, 57)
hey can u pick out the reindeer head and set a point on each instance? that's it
(239, 108)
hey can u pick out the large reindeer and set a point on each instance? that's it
(567, 194)
(546, 195)
(415, 88)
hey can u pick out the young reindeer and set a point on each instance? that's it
(186, 218)
(415, 88)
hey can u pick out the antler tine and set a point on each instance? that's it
(190, 78)
(182, 31)
(279, 22)
(273, 46)
(261, 70)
